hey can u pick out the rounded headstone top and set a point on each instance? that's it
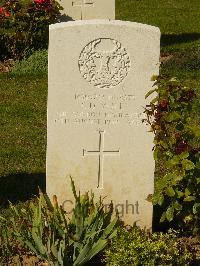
(104, 22)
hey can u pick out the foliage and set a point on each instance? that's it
(135, 247)
(178, 186)
(24, 25)
(9, 247)
(44, 228)
(6, 244)
(91, 226)
(37, 63)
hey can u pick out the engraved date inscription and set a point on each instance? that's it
(101, 110)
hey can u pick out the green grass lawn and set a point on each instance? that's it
(23, 97)
(178, 20)
(23, 124)
(23, 135)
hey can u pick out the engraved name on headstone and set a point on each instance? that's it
(96, 98)
(89, 9)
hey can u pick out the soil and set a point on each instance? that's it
(6, 65)
(25, 260)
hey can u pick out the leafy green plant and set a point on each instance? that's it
(135, 247)
(177, 186)
(9, 246)
(37, 63)
(41, 228)
(91, 227)
(44, 228)
(24, 25)
(6, 248)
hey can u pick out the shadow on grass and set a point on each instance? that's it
(170, 39)
(20, 187)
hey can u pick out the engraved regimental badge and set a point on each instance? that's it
(104, 63)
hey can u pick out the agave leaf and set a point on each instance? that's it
(31, 209)
(89, 251)
(70, 242)
(149, 93)
(83, 254)
(91, 219)
(35, 215)
(74, 189)
(14, 209)
(97, 222)
(38, 241)
(99, 246)
(48, 202)
(60, 257)
(63, 218)
(32, 248)
(54, 250)
(108, 230)
(49, 244)
(113, 234)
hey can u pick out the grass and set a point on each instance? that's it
(23, 95)
(23, 135)
(178, 20)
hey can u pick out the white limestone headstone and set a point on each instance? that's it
(89, 9)
(99, 73)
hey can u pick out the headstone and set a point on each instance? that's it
(99, 73)
(89, 9)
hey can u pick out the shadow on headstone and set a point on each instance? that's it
(171, 39)
(21, 187)
(65, 18)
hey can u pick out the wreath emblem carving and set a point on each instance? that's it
(104, 63)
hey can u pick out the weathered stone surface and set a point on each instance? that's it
(99, 73)
(89, 9)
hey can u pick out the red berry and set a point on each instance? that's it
(163, 105)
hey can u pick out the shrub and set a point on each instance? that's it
(24, 25)
(135, 247)
(177, 187)
(44, 229)
(37, 63)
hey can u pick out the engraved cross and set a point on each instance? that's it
(101, 153)
(82, 4)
